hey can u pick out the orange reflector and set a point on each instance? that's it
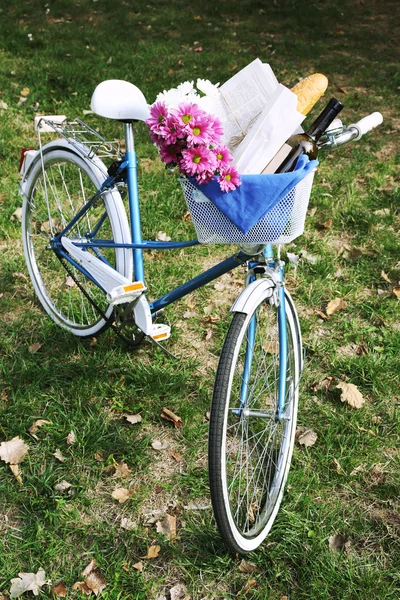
(159, 336)
(133, 286)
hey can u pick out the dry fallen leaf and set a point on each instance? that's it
(208, 335)
(25, 91)
(247, 567)
(20, 276)
(157, 445)
(133, 419)
(323, 316)
(350, 394)
(33, 348)
(27, 582)
(128, 524)
(170, 416)
(122, 470)
(189, 314)
(82, 588)
(335, 305)
(34, 428)
(310, 258)
(385, 276)
(121, 494)
(208, 309)
(250, 584)
(167, 526)
(152, 552)
(17, 215)
(94, 580)
(396, 292)
(14, 451)
(71, 439)
(176, 456)
(307, 437)
(366, 430)
(178, 592)
(357, 469)
(16, 472)
(71, 283)
(59, 455)
(62, 486)
(162, 237)
(338, 466)
(339, 542)
(92, 565)
(138, 566)
(59, 590)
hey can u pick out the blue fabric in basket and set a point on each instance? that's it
(256, 196)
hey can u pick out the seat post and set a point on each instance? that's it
(133, 198)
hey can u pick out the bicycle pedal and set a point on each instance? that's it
(160, 332)
(126, 293)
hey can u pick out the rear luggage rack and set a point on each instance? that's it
(78, 133)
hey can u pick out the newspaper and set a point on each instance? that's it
(258, 115)
(265, 137)
(243, 98)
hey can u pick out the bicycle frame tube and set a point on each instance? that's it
(283, 348)
(283, 345)
(223, 267)
(251, 336)
(133, 199)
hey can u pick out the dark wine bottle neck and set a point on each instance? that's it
(323, 121)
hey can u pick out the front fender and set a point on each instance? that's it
(252, 295)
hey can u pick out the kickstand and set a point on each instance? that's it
(167, 352)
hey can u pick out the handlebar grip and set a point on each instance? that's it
(366, 124)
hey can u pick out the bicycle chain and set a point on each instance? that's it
(109, 320)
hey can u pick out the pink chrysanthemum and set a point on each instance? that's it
(199, 132)
(171, 130)
(170, 153)
(158, 114)
(223, 156)
(197, 160)
(205, 177)
(217, 131)
(229, 179)
(186, 112)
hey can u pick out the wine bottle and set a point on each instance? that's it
(306, 143)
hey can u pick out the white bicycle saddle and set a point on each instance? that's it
(120, 100)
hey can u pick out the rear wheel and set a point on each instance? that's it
(250, 449)
(54, 193)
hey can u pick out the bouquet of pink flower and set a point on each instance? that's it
(190, 138)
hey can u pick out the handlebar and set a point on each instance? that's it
(338, 134)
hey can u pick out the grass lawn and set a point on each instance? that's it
(52, 55)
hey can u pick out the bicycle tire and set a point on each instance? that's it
(249, 457)
(53, 194)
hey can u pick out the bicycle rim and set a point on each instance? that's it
(250, 454)
(56, 193)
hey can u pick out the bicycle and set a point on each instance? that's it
(85, 260)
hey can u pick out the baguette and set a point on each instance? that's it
(309, 90)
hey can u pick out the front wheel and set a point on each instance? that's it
(250, 448)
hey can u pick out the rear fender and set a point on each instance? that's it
(79, 149)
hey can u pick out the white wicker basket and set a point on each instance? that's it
(280, 225)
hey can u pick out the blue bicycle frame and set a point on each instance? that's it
(129, 166)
